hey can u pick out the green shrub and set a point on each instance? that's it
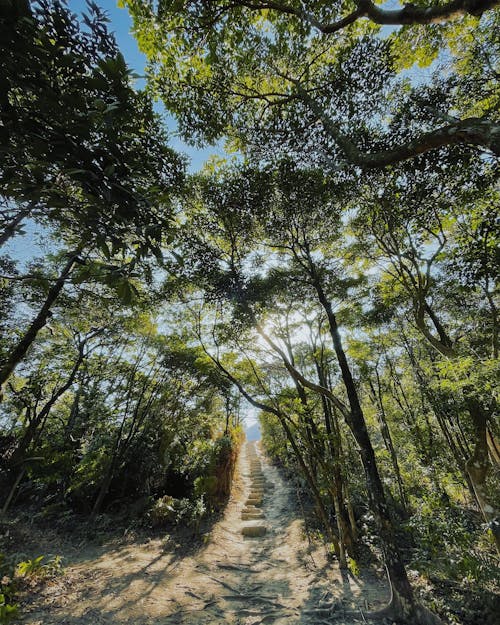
(190, 513)
(205, 486)
(38, 568)
(171, 511)
(11, 573)
(450, 542)
(8, 606)
(8, 610)
(163, 511)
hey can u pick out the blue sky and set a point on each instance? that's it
(121, 25)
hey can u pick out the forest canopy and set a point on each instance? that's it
(335, 273)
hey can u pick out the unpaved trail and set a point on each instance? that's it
(276, 578)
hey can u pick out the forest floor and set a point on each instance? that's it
(279, 578)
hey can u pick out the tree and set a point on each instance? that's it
(81, 149)
(109, 410)
(412, 230)
(83, 152)
(36, 417)
(320, 80)
(232, 218)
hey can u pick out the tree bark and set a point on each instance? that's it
(386, 435)
(403, 601)
(312, 483)
(493, 446)
(478, 466)
(12, 492)
(347, 532)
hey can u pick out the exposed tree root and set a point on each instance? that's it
(418, 615)
(326, 610)
(235, 567)
(181, 612)
(258, 598)
(225, 584)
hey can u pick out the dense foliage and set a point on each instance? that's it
(338, 276)
(101, 406)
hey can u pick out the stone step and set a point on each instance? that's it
(254, 531)
(254, 501)
(252, 516)
(256, 492)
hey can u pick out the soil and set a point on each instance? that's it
(277, 578)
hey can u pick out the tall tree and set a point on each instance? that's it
(412, 230)
(81, 149)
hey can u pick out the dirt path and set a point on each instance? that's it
(275, 578)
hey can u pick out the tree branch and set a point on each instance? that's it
(298, 377)
(475, 131)
(408, 14)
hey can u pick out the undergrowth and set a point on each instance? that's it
(17, 574)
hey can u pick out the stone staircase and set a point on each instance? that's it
(253, 512)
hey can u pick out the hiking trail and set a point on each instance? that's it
(256, 568)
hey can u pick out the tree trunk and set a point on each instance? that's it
(386, 435)
(103, 490)
(12, 492)
(457, 450)
(403, 604)
(310, 480)
(493, 446)
(18, 353)
(346, 531)
(121, 443)
(478, 466)
(36, 426)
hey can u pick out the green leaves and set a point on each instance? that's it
(8, 611)
(126, 290)
(30, 567)
(272, 80)
(84, 146)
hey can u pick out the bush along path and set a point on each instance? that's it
(257, 567)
